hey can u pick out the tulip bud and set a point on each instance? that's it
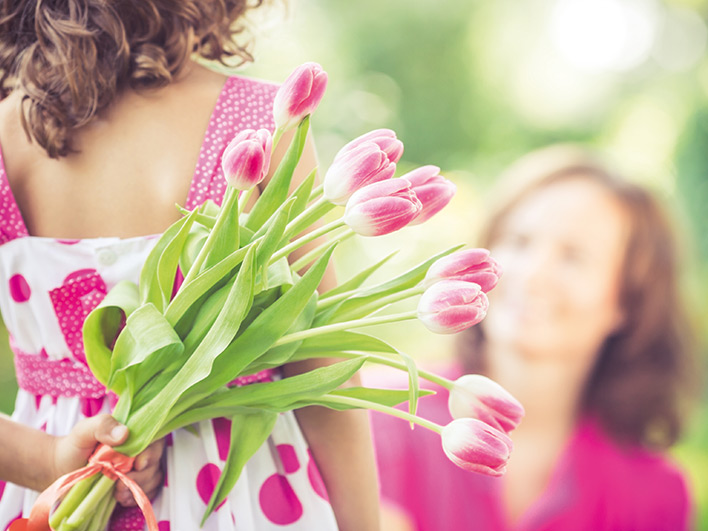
(299, 95)
(475, 446)
(470, 265)
(381, 208)
(384, 138)
(433, 190)
(246, 159)
(476, 396)
(450, 306)
(364, 164)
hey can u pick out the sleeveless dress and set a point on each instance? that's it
(48, 286)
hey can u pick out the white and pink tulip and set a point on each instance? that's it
(381, 207)
(433, 190)
(450, 306)
(470, 265)
(477, 447)
(246, 159)
(476, 396)
(299, 95)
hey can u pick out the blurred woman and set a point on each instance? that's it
(586, 329)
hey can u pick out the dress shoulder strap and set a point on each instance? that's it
(243, 104)
(11, 223)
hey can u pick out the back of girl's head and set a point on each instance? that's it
(69, 58)
(638, 384)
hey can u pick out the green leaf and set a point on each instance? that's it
(366, 302)
(225, 234)
(274, 396)
(357, 280)
(277, 190)
(274, 233)
(103, 324)
(195, 241)
(260, 335)
(384, 397)
(302, 194)
(158, 273)
(343, 340)
(248, 433)
(145, 346)
(146, 422)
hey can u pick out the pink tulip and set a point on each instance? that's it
(433, 190)
(475, 446)
(384, 138)
(246, 159)
(476, 396)
(450, 306)
(381, 207)
(470, 265)
(354, 168)
(299, 95)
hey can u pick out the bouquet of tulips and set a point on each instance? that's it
(169, 352)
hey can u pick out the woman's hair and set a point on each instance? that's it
(69, 58)
(643, 372)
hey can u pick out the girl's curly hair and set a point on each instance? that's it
(69, 58)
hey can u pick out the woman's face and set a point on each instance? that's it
(561, 249)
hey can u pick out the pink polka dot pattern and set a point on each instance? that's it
(127, 519)
(207, 478)
(289, 458)
(41, 377)
(222, 432)
(11, 223)
(19, 288)
(278, 501)
(242, 104)
(313, 474)
(80, 293)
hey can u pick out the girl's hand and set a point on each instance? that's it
(73, 450)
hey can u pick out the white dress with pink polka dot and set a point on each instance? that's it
(48, 288)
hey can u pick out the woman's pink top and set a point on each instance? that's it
(596, 485)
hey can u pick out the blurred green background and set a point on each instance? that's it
(470, 86)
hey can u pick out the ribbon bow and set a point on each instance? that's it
(105, 460)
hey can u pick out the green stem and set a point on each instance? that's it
(300, 222)
(316, 192)
(336, 327)
(301, 262)
(230, 199)
(383, 360)
(365, 404)
(104, 487)
(71, 501)
(244, 199)
(307, 238)
(374, 305)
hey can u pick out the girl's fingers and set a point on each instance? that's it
(147, 473)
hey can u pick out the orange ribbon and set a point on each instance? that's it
(105, 460)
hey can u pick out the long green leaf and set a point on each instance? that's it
(248, 433)
(146, 422)
(365, 303)
(102, 325)
(277, 190)
(384, 397)
(225, 233)
(302, 194)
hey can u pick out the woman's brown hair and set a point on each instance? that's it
(643, 372)
(69, 58)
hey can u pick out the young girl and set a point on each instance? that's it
(587, 330)
(102, 131)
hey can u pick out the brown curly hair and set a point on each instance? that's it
(643, 377)
(69, 58)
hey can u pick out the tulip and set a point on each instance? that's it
(299, 95)
(364, 164)
(476, 396)
(450, 306)
(477, 447)
(433, 190)
(246, 159)
(470, 265)
(384, 138)
(381, 208)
